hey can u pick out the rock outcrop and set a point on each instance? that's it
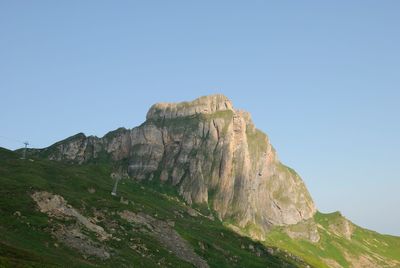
(56, 206)
(341, 226)
(167, 236)
(214, 155)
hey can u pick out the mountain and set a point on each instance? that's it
(202, 165)
(212, 153)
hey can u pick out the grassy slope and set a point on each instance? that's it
(383, 249)
(25, 241)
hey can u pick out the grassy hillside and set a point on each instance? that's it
(341, 244)
(28, 237)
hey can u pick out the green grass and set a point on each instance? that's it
(191, 122)
(26, 240)
(257, 141)
(333, 246)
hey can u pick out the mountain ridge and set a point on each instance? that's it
(213, 153)
(214, 158)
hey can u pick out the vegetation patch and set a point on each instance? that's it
(28, 239)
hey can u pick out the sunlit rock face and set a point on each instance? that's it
(214, 155)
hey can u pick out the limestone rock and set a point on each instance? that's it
(202, 105)
(306, 230)
(341, 226)
(212, 152)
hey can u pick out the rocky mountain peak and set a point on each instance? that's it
(212, 153)
(203, 105)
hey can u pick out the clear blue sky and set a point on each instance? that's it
(322, 78)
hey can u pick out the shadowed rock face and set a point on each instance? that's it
(212, 153)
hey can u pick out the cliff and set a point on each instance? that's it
(212, 153)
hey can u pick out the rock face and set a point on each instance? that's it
(212, 153)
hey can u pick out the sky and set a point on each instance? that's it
(321, 78)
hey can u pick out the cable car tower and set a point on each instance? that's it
(24, 152)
